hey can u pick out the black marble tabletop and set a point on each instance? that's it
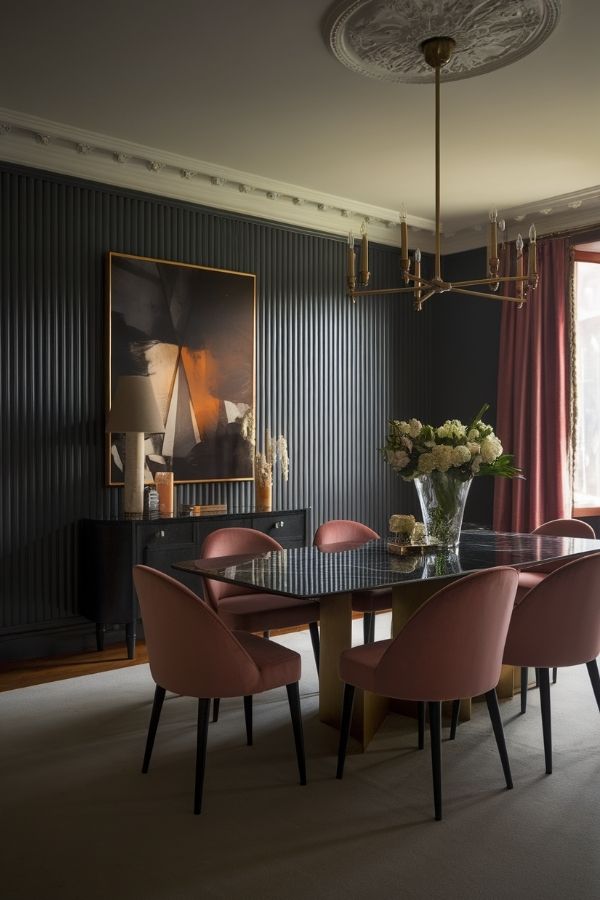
(309, 572)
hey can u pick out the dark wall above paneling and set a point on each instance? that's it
(329, 372)
(465, 339)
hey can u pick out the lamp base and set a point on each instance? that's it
(133, 492)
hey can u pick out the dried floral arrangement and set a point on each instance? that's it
(275, 451)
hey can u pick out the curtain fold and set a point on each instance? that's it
(534, 398)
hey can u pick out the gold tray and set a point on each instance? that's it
(407, 548)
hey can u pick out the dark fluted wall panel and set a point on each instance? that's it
(329, 372)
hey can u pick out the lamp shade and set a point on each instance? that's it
(134, 406)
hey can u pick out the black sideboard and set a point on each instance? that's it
(110, 548)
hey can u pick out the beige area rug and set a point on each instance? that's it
(80, 822)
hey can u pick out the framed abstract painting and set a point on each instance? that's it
(191, 330)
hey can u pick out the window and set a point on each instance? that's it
(586, 487)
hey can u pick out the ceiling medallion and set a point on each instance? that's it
(382, 38)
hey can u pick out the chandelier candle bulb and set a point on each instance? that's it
(532, 256)
(351, 272)
(404, 243)
(493, 242)
(418, 291)
(364, 257)
(519, 247)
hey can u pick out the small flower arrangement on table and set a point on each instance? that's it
(405, 534)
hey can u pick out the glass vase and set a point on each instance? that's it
(442, 497)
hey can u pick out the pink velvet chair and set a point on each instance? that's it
(531, 577)
(557, 623)
(193, 653)
(247, 609)
(451, 647)
(346, 531)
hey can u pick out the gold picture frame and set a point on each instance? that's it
(192, 330)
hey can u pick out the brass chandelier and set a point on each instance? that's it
(437, 51)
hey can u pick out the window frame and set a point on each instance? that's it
(592, 256)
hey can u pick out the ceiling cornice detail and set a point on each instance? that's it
(31, 141)
(43, 144)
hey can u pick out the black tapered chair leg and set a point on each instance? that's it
(544, 679)
(345, 728)
(454, 719)
(421, 715)
(216, 705)
(435, 731)
(248, 717)
(159, 696)
(266, 635)
(367, 628)
(592, 668)
(313, 627)
(202, 735)
(554, 675)
(293, 693)
(524, 681)
(494, 711)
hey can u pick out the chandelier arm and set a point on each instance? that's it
(519, 300)
(373, 292)
(504, 278)
(419, 303)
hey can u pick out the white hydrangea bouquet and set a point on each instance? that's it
(442, 462)
(414, 449)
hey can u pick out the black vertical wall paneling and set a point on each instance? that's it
(329, 373)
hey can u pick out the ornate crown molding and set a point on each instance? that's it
(382, 38)
(30, 141)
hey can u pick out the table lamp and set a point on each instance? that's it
(134, 411)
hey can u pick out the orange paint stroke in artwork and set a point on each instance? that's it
(201, 371)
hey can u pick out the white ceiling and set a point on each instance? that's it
(253, 86)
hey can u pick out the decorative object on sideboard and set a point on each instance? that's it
(403, 42)
(135, 412)
(164, 485)
(442, 462)
(275, 450)
(191, 330)
(151, 501)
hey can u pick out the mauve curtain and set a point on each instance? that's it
(533, 399)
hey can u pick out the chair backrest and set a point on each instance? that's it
(340, 531)
(452, 646)
(190, 650)
(233, 542)
(557, 623)
(561, 528)
(566, 528)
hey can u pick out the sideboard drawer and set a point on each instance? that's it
(176, 532)
(287, 529)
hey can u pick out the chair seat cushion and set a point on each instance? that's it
(265, 612)
(277, 664)
(527, 581)
(358, 664)
(375, 600)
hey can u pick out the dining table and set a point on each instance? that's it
(332, 573)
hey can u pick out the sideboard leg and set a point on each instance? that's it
(100, 629)
(130, 638)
